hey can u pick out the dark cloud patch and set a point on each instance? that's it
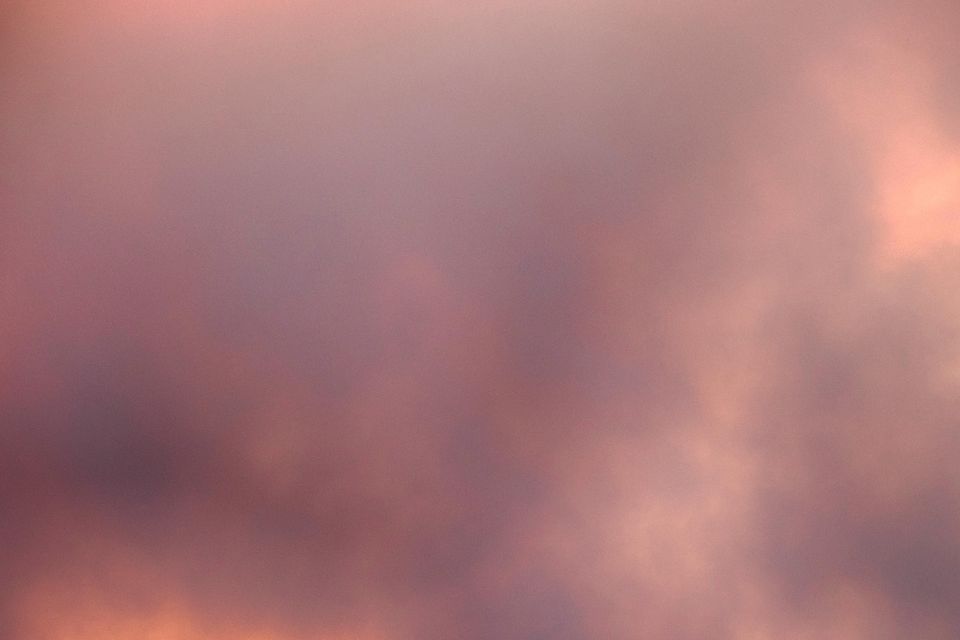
(857, 440)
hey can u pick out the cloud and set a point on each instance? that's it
(519, 320)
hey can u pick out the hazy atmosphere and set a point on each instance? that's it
(449, 320)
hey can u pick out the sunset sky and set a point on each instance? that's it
(490, 320)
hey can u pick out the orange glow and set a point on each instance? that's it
(883, 90)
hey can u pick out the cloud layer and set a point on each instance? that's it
(387, 320)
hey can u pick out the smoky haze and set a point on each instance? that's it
(392, 320)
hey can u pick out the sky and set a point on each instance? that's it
(432, 319)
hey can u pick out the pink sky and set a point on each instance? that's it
(513, 320)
